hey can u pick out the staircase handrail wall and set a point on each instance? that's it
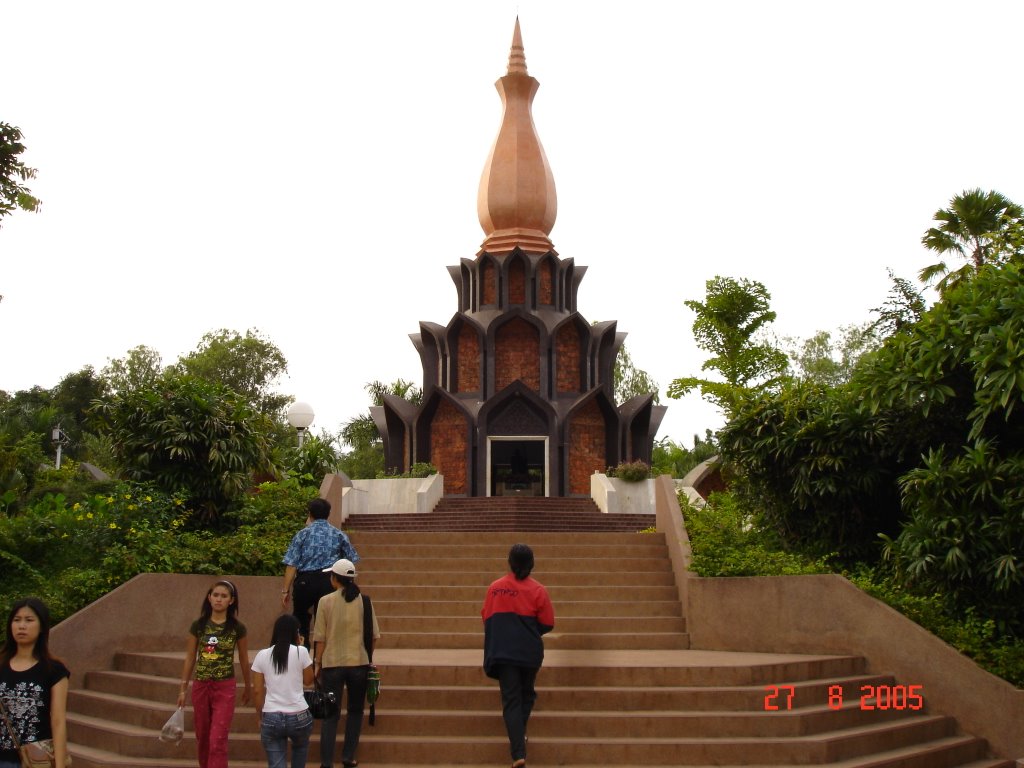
(143, 612)
(669, 521)
(826, 613)
(396, 495)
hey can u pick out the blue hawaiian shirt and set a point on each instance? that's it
(317, 546)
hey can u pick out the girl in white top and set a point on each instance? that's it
(281, 671)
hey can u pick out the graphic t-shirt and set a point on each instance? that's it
(216, 658)
(26, 700)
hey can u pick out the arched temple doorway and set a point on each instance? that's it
(517, 466)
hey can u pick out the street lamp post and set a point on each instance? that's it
(300, 416)
(59, 440)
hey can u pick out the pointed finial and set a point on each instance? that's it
(516, 202)
(517, 56)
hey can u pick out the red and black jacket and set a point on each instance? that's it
(515, 613)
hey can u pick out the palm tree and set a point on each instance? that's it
(969, 225)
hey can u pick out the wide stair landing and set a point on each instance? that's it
(618, 687)
(505, 513)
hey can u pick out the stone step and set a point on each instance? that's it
(497, 566)
(647, 546)
(635, 668)
(567, 588)
(565, 641)
(481, 736)
(566, 609)
(609, 694)
(502, 541)
(472, 625)
(602, 582)
(358, 523)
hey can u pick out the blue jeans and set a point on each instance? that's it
(335, 679)
(277, 729)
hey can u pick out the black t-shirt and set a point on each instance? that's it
(26, 700)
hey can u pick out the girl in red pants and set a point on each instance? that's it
(210, 653)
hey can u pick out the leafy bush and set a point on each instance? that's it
(728, 541)
(71, 552)
(817, 466)
(630, 471)
(419, 469)
(977, 637)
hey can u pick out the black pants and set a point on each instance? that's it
(307, 589)
(336, 679)
(518, 696)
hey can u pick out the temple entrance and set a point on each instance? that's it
(516, 466)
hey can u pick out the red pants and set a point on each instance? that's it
(214, 705)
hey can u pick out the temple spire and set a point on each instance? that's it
(517, 56)
(516, 203)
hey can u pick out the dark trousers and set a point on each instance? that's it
(335, 679)
(518, 696)
(307, 589)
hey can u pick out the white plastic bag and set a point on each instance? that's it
(174, 729)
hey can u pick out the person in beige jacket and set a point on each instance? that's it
(344, 634)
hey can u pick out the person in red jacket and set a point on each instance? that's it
(516, 612)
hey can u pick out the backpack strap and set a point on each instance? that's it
(368, 627)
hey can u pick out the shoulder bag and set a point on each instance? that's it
(373, 676)
(33, 754)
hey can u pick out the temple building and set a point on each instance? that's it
(518, 387)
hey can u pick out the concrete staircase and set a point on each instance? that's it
(619, 685)
(505, 513)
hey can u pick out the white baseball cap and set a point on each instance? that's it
(342, 568)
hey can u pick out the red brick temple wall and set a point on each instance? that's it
(545, 283)
(586, 447)
(469, 361)
(517, 355)
(567, 359)
(448, 447)
(490, 289)
(516, 283)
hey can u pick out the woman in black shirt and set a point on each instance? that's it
(33, 684)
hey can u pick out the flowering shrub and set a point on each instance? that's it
(630, 471)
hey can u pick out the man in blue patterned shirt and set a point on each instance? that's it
(314, 548)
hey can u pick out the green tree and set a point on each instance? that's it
(728, 325)
(189, 435)
(959, 371)
(366, 459)
(827, 361)
(250, 365)
(902, 308)
(969, 229)
(671, 458)
(13, 172)
(137, 370)
(630, 381)
(819, 466)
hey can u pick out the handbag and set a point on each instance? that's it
(33, 754)
(322, 704)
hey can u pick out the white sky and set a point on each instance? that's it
(310, 169)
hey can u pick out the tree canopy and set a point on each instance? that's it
(973, 227)
(14, 194)
(728, 325)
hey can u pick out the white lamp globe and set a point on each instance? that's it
(300, 415)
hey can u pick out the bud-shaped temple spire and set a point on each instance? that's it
(516, 202)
